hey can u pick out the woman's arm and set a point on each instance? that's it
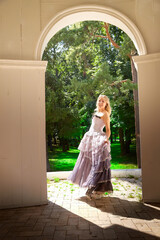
(106, 120)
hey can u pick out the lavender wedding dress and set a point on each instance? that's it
(92, 168)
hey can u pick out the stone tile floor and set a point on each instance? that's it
(70, 215)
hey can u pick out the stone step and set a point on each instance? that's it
(114, 173)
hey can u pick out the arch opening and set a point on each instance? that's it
(95, 13)
(54, 63)
(90, 13)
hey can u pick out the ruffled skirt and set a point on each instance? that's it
(92, 168)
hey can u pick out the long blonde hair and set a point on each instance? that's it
(107, 107)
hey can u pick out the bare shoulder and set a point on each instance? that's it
(106, 115)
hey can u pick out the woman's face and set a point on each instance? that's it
(101, 103)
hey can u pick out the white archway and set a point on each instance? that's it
(92, 12)
(111, 16)
(23, 178)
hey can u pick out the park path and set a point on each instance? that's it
(70, 215)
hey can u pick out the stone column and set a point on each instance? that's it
(148, 67)
(22, 133)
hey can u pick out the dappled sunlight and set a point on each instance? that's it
(123, 188)
(121, 211)
(69, 215)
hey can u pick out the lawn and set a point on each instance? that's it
(65, 161)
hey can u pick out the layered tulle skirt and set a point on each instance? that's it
(92, 169)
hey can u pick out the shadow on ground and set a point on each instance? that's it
(125, 208)
(55, 222)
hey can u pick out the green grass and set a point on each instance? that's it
(56, 180)
(48, 181)
(128, 161)
(65, 161)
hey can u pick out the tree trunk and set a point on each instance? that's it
(63, 145)
(67, 144)
(116, 135)
(111, 138)
(128, 141)
(55, 142)
(47, 160)
(121, 137)
(111, 135)
(136, 110)
(50, 142)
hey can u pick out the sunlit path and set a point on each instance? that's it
(70, 215)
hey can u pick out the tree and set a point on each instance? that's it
(82, 65)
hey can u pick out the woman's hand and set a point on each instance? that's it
(106, 140)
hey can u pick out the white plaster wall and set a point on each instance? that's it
(20, 26)
(29, 19)
(22, 110)
(22, 133)
(149, 103)
(144, 13)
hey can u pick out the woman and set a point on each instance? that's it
(92, 168)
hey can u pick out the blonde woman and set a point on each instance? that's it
(92, 169)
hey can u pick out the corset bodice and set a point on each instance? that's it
(97, 124)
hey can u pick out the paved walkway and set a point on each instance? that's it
(70, 215)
